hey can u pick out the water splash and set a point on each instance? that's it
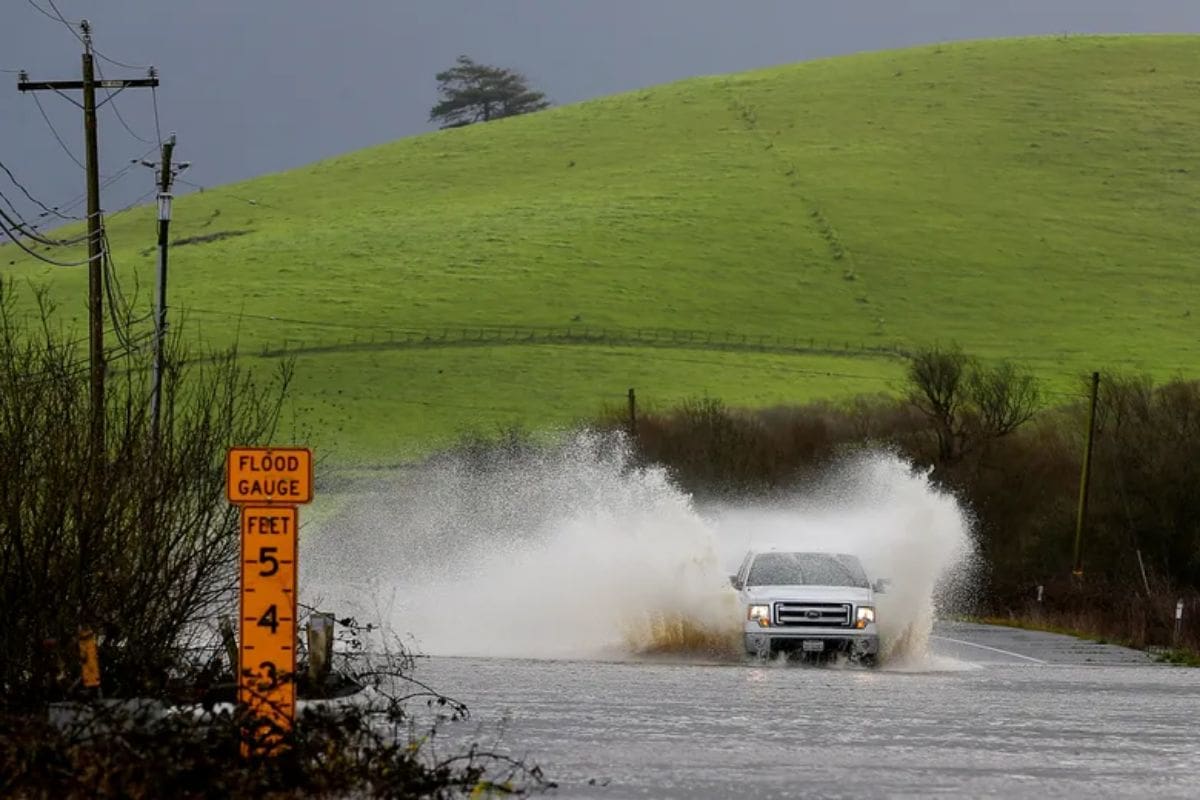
(900, 525)
(572, 551)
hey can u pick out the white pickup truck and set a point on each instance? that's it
(812, 604)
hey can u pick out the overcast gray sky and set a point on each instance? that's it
(255, 86)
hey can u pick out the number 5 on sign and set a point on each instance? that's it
(266, 683)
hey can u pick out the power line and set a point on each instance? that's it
(48, 15)
(141, 199)
(30, 230)
(57, 16)
(157, 126)
(116, 295)
(112, 102)
(11, 206)
(109, 181)
(24, 223)
(58, 138)
(17, 241)
(121, 64)
(33, 199)
(110, 265)
(226, 191)
(24, 228)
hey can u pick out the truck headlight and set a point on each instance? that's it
(761, 613)
(866, 614)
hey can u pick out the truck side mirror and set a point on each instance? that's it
(733, 581)
(880, 586)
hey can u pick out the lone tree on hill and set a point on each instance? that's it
(470, 92)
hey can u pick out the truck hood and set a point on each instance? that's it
(807, 594)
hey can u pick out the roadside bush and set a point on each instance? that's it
(134, 542)
(363, 746)
(707, 444)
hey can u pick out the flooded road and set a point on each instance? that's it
(992, 712)
(536, 580)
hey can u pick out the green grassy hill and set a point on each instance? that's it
(1034, 199)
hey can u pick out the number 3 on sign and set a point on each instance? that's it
(266, 686)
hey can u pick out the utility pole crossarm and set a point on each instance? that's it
(62, 86)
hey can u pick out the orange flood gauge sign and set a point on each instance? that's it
(267, 668)
(269, 475)
(268, 482)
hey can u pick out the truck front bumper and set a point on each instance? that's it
(854, 643)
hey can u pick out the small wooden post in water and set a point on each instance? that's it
(320, 647)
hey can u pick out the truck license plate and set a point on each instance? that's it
(813, 646)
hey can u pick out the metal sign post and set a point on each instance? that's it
(267, 483)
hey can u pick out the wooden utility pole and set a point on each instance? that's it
(1085, 480)
(632, 415)
(166, 176)
(95, 224)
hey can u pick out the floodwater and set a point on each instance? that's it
(539, 583)
(975, 720)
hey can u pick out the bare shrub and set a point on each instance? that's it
(363, 746)
(937, 379)
(135, 543)
(1003, 397)
(969, 404)
(1146, 470)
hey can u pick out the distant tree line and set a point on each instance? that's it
(1014, 462)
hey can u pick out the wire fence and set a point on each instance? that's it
(465, 336)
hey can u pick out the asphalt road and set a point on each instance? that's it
(993, 644)
(991, 712)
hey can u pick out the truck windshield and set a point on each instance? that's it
(806, 569)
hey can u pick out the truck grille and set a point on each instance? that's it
(813, 615)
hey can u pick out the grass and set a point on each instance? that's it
(445, 394)
(1180, 657)
(1030, 198)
